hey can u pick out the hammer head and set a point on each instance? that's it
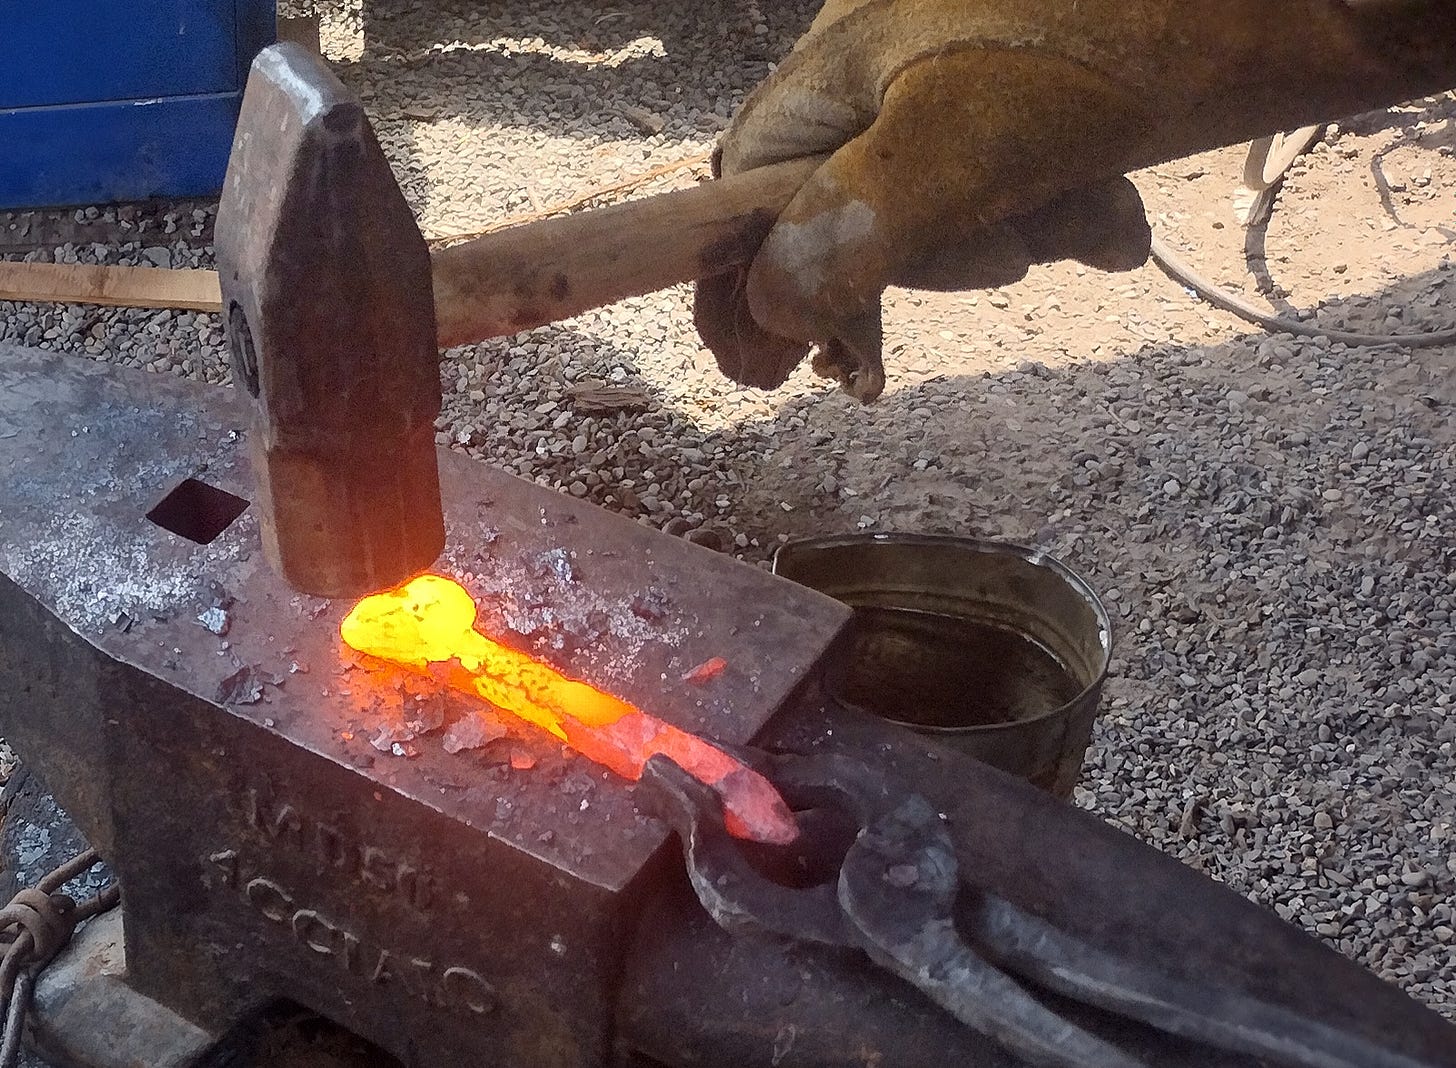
(331, 322)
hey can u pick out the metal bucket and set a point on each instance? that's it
(996, 649)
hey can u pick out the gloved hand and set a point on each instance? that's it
(969, 139)
(920, 190)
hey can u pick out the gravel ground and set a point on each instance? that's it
(1270, 518)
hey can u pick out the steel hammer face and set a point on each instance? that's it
(331, 322)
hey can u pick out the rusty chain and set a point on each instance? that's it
(34, 927)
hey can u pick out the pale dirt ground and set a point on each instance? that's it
(1270, 519)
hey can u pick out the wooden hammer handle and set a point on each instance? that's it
(540, 272)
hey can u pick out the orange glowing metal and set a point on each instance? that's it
(431, 620)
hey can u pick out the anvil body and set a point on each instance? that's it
(253, 821)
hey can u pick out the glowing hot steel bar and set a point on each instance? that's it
(431, 620)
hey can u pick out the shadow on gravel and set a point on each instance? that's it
(476, 377)
(1256, 427)
(587, 71)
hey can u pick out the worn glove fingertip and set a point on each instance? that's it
(852, 356)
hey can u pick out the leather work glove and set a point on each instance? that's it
(968, 139)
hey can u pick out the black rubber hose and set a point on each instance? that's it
(1174, 266)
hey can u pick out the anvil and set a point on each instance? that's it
(211, 737)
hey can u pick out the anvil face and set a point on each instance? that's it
(267, 848)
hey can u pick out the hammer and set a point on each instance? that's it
(335, 312)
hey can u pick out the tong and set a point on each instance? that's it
(875, 871)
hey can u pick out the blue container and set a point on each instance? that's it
(105, 100)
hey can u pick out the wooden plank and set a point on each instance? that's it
(123, 287)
